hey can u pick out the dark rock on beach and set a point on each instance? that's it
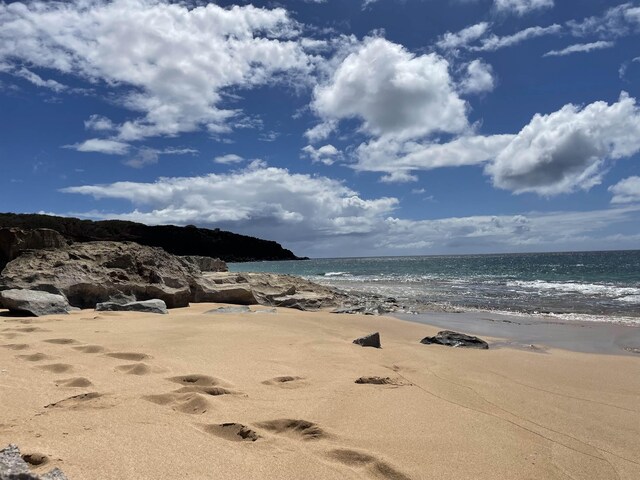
(207, 264)
(31, 302)
(14, 467)
(455, 339)
(146, 306)
(371, 340)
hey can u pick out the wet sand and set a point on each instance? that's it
(286, 395)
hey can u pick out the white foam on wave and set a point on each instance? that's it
(611, 291)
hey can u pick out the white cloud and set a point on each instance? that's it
(38, 81)
(617, 21)
(495, 42)
(172, 61)
(579, 47)
(394, 157)
(99, 123)
(327, 154)
(521, 7)
(228, 159)
(568, 150)
(100, 145)
(479, 78)
(626, 191)
(466, 36)
(150, 156)
(392, 92)
(264, 201)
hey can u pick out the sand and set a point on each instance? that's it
(274, 396)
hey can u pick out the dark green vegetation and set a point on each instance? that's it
(188, 240)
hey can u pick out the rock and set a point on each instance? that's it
(95, 272)
(34, 302)
(14, 241)
(238, 294)
(13, 467)
(455, 339)
(207, 264)
(371, 340)
(241, 309)
(146, 306)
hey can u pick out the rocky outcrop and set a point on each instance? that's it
(14, 467)
(207, 264)
(455, 339)
(188, 240)
(91, 273)
(14, 241)
(371, 340)
(145, 306)
(31, 302)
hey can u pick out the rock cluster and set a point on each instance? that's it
(207, 264)
(13, 467)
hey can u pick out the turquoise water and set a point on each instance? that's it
(604, 284)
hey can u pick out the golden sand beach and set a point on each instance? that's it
(274, 396)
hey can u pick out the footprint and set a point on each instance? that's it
(287, 381)
(31, 329)
(61, 341)
(57, 367)
(11, 336)
(376, 467)
(90, 349)
(234, 432)
(78, 382)
(35, 459)
(213, 391)
(77, 402)
(131, 356)
(197, 379)
(135, 369)
(378, 381)
(194, 403)
(34, 357)
(16, 346)
(299, 428)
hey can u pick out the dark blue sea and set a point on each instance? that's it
(601, 286)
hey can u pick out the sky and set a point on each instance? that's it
(335, 127)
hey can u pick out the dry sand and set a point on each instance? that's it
(274, 396)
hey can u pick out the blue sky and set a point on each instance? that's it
(335, 127)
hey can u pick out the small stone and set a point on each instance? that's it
(146, 306)
(371, 340)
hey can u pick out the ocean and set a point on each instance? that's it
(595, 286)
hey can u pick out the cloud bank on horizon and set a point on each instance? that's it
(335, 128)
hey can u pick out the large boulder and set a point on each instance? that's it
(34, 303)
(455, 339)
(14, 241)
(95, 272)
(205, 290)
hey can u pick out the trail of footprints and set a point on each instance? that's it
(193, 396)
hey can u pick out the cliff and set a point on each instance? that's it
(188, 240)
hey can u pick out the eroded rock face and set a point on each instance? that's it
(207, 264)
(14, 241)
(34, 303)
(94, 272)
(455, 339)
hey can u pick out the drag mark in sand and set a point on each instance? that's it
(77, 402)
(61, 341)
(131, 356)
